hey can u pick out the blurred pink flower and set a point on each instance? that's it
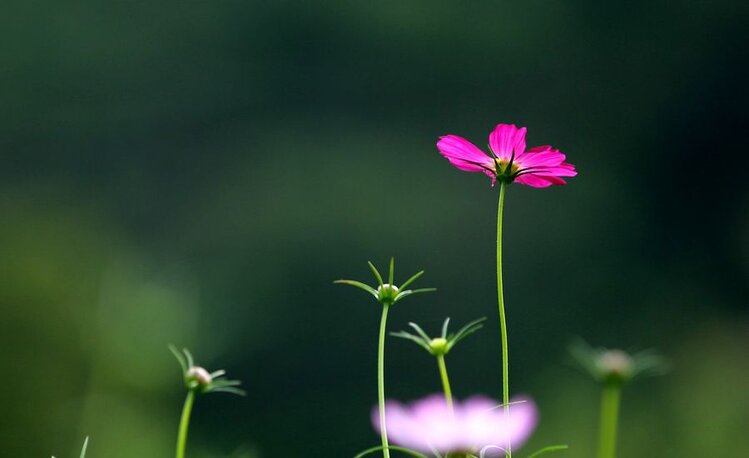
(428, 425)
(539, 167)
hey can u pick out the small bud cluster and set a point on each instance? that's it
(388, 293)
(198, 379)
(612, 366)
(198, 376)
(439, 346)
(615, 365)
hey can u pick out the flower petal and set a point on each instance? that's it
(549, 158)
(523, 420)
(428, 425)
(507, 139)
(562, 170)
(464, 155)
(536, 181)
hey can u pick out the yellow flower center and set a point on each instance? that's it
(504, 170)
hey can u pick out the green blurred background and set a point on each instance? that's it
(199, 173)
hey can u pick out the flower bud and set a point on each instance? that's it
(615, 365)
(438, 346)
(198, 376)
(386, 293)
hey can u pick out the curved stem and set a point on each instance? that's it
(609, 419)
(501, 305)
(407, 451)
(381, 382)
(445, 381)
(184, 423)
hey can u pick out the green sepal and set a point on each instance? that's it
(416, 339)
(375, 272)
(83, 449)
(359, 285)
(413, 278)
(409, 292)
(464, 332)
(180, 358)
(444, 327)
(420, 331)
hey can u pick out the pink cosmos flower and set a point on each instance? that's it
(477, 424)
(539, 167)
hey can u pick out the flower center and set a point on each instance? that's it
(387, 293)
(505, 171)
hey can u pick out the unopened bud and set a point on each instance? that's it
(198, 375)
(615, 365)
(438, 346)
(386, 293)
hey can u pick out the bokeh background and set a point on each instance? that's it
(199, 173)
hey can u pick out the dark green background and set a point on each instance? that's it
(199, 172)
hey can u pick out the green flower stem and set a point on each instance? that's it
(610, 398)
(381, 382)
(184, 423)
(445, 381)
(501, 304)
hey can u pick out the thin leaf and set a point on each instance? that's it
(418, 340)
(413, 278)
(422, 290)
(551, 448)
(466, 331)
(444, 327)
(85, 446)
(391, 277)
(585, 357)
(224, 383)
(180, 358)
(407, 451)
(420, 331)
(218, 373)
(648, 363)
(375, 272)
(188, 356)
(228, 389)
(409, 292)
(358, 284)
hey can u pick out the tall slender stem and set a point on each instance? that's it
(610, 398)
(445, 381)
(501, 304)
(184, 423)
(381, 382)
